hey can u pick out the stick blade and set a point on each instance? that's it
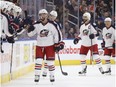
(65, 73)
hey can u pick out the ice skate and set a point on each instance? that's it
(52, 78)
(108, 72)
(83, 72)
(101, 70)
(37, 77)
(44, 74)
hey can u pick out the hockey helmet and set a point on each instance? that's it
(53, 13)
(108, 19)
(87, 14)
(3, 5)
(17, 9)
(43, 11)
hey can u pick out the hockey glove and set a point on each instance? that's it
(11, 29)
(76, 40)
(31, 28)
(91, 36)
(57, 47)
(62, 45)
(10, 39)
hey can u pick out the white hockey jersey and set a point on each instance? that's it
(47, 34)
(85, 31)
(108, 36)
(4, 26)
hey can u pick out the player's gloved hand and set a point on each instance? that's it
(10, 39)
(31, 28)
(91, 36)
(11, 29)
(19, 30)
(62, 45)
(57, 47)
(76, 40)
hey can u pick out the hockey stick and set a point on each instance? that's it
(11, 62)
(64, 73)
(91, 58)
(2, 51)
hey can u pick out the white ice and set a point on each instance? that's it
(93, 78)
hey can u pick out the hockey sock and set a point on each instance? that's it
(98, 62)
(99, 65)
(51, 67)
(45, 69)
(107, 60)
(83, 64)
(83, 61)
(45, 66)
(108, 65)
(38, 66)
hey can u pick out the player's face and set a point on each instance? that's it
(43, 17)
(107, 23)
(85, 19)
(52, 18)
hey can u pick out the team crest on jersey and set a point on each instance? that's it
(108, 35)
(85, 32)
(44, 33)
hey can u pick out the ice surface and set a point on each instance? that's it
(93, 78)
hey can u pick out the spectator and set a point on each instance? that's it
(71, 33)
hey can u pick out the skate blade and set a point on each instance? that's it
(36, 83)
(52, 83)
(82, 74)
(108, 74)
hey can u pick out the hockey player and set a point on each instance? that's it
(47, 39)
(89, 42)
(52, 18)
(5, 9)
(108, 43)
(4, 27)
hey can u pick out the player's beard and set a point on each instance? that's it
(86, 21)
(42, 19)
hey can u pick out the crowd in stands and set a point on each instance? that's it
(100, 9)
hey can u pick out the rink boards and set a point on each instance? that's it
(23, 58)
